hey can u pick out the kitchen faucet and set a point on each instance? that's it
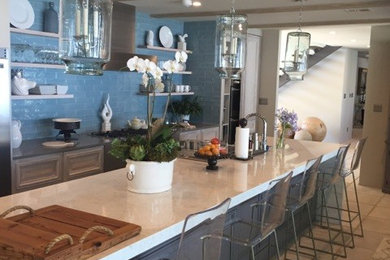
(264, 135)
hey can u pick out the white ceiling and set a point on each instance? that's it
(333, 22)
(273, 12)
(350, 36)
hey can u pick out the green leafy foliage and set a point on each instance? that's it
(161, 147)
(187, 106)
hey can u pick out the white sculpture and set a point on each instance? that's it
(20, 85)
(149, 38)
(181, 44)
(106, 115)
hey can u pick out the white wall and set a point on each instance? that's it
(321, 94)
(376, 124)
(4, 24)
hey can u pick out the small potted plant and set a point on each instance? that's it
(185, 108)
(150, 159)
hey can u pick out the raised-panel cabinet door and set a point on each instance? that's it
(84, 162)
(35, 172)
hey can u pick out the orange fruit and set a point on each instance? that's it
(215, 151)
(209, 153)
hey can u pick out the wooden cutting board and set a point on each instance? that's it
(28, 235)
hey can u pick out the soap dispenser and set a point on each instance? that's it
(241, 145)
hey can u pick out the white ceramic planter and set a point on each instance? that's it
(149, 177)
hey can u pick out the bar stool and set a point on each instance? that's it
(300, 195)
(344, 174)
(333, 175)
(201, 233)
(271, 210)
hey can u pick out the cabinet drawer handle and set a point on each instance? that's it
(5, 213)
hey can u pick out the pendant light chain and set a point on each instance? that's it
(300, 16)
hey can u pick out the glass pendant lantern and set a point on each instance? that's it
(230, 44)
(297, 49)
(85, 35)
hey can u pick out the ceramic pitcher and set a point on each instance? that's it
(16, 133)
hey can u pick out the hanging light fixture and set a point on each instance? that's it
(85, 31)
(297, 48)
(230, 44)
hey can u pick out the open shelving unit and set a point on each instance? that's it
(158, 48)
(14, 97)
(37, 65)
(33, 32)
(164, 94)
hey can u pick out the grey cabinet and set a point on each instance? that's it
(83, 162)
(35, 172)
(39, 171)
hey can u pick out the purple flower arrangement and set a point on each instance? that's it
(287, 119)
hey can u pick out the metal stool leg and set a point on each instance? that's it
(277, 245)
(311, 230)
(295, 235)
(349, 215)
(327, 223)
(340, 222)
(358, 206)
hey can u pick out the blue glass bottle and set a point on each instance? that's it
(50, 19)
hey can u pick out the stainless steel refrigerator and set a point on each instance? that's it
(5, 102)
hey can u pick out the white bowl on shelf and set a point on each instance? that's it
(62, 89)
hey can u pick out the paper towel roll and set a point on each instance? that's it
(242, 143)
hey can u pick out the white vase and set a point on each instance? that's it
(149, 177)
(149, 38)
(16, 133)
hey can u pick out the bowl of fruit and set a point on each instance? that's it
(212, 151)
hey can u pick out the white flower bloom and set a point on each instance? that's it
(159, 86)
(159, 73)
(145, 79)
(181, 56)
(131, 63)
(137, 64)
(151, 68)
(171, 66)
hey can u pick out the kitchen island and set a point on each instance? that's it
(194, 189)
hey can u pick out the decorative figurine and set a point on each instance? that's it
(149, 38)
(106, 115)
(20, 85)
(181, 44)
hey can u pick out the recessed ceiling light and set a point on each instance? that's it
(368, 45)
(353, 40)
(332, 32)
(196, 3)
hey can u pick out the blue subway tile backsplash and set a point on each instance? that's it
(89, 91)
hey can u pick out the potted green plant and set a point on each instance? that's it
(150, 158)
(185, 108)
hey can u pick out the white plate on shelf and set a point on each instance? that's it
(166, 36)
(21, 14)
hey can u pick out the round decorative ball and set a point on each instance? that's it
(315, 127)
(303, 135)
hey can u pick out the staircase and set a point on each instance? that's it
(320, 53)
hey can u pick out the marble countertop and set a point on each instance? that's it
(194, 189)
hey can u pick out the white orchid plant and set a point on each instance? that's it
(158, 145)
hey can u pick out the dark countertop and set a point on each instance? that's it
(34, 147)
